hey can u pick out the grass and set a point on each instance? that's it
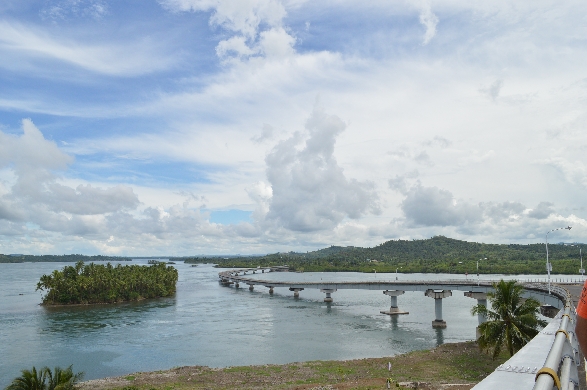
(459, 363)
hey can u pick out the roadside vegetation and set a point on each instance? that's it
(99, 283)
(438, 254)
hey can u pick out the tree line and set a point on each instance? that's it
(438, 254)
(99, 283)
(73, 258)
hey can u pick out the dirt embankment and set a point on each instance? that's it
(450, 366)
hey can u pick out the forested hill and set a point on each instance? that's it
(436, 254)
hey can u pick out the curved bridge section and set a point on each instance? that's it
(550, 360)
(437, 290)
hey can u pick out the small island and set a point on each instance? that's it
(99, 283)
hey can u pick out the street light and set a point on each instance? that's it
(581, 270)
(478, 269)
(396, 272)
(549, 265)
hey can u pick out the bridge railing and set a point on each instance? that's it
(560, 367)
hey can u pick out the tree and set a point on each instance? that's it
(45, 379)
(512, 322)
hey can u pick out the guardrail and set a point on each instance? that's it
(560, 367)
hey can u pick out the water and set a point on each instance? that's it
(207, 324)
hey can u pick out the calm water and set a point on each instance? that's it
(207, 324)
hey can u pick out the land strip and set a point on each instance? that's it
(455, 366)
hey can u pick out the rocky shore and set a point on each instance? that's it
(457, 366)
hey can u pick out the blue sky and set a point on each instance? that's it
(183, 127)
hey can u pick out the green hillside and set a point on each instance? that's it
(438, 254)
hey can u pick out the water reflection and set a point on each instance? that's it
(439, 336)
(393, 322)
(73, 320)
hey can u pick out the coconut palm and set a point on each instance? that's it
(512, 322)
(45, 379)
(29, 380)
(61, 379)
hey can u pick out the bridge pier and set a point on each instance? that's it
(270, 289)
(296, 291)
(393, 309)
(236, 285)
(328, 291)
(438, 296)
(481, 298)
(251, 287)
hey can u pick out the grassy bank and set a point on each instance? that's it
(459, 365)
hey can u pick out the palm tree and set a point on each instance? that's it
(45, 379)
(29, 380)
(61, 379)
(512, 322)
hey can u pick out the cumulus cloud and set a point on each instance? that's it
(432, 206)
(309, 189)
(36, 195)
(429, 20)
(257, 25)
(542, 211)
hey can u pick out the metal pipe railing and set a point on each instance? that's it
(558, 370)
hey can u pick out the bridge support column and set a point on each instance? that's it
(296, 291)
(251, 287)
(481, 298)
(270, 289)
(393, 309)
(328, 291)
(236, 285)
(438, 296)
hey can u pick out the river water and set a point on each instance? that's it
(207, 324)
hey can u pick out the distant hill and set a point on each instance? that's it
(438, 254)
(18, 258)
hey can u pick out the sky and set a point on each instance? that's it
(190, 127)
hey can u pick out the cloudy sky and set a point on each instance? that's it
(183, 127)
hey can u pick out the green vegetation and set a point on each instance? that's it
(99, 283)
(45, 379)
(446, 364)
(16, 258)
(512, 322)
(438, 254)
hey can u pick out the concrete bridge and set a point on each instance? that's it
(435, 289)
(552, 360)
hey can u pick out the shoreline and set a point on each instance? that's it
(456, 366)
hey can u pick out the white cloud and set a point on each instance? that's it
(573, 172)
(309, 189)
(258, 25)
(432, 206)
(22, 45)
(429, 20)
(63, 9)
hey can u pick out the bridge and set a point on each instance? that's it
(552, 358)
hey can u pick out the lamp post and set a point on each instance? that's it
(478, 269)
(581, 270)
(396, 272)
(549, 265)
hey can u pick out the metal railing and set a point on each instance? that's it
(560, 367)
